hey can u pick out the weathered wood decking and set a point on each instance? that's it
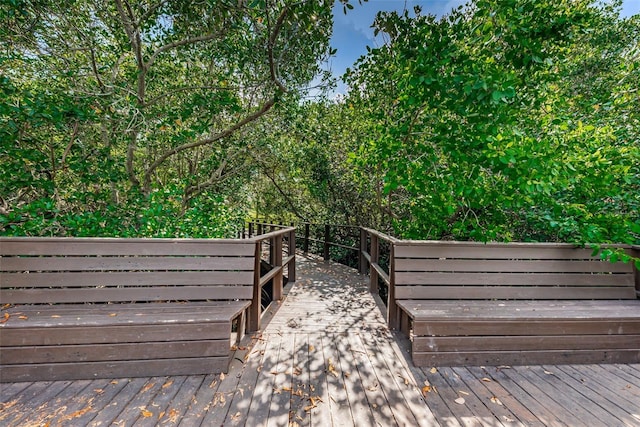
(326, 358)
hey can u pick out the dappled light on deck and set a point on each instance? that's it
(325, 357)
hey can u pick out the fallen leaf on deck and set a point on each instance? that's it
(548, 373)
(146, 413)
(463, 392)
(460, 401)
(113, 314)
(213, 384)
(311, 348)
(219, 398)
(234, 347)
(23, 317)
(331, 369)
(486, 380)
(426, 389)
(222, 376)
(433, 370)
(98, 390)
(508, 419)
(148, 387)
(55, 316)
(236, 416)
(496, 401)
(173, 416)
(5, 318)
(168, 384)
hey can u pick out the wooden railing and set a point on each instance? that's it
(280, 252)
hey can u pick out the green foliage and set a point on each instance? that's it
(504, 121)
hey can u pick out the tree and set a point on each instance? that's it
(485, 127)
(107, 103)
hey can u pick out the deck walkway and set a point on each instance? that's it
(326, 358)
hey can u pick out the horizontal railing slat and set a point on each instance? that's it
(118, 263)
(125, 294)
(146, 278)
(514, 279)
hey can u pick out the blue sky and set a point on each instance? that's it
(352, 32)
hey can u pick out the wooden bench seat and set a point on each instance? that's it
(501, 304)
(110, 308)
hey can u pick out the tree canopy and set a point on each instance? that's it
(503, 120)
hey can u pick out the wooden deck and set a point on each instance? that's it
(326, 358)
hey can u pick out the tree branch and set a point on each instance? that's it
(220, 135)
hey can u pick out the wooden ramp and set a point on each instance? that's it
(326, 358)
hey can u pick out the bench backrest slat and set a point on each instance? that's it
(97, 270)
(470, 270)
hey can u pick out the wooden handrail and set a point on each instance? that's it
(278, 263)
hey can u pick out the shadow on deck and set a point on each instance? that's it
(326, 358)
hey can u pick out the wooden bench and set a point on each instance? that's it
(81, 308)
(501, 304)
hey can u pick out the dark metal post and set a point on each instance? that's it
(250, 229)
(292, 251)
(375, 257)
(327, 231)
(305, 244)
(392, 310)
(362, 261)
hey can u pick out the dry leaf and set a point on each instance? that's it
(173, 416)
(55, 316)
(146, 413)
(113, 314)
(98, 390)
(426, 389)
(331, 369)
(496, 400)
(433, 370)
(148, 387)
(23, 317)
(222, 376)
(463, 392)
(548, 373)
(460, 401)
(168, 384)
(5, 318)
(311, 348)
(486, 380)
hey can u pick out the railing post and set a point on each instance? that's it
(250, 229)
(292, 251)
(276, 244)
(305, 244)
(362, 261)
(635, 251)
(327, 235)
(392, 310)
(375, 257)
(256, 303)
(259, 228)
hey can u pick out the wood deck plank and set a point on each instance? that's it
(156, 410)
(279, 408)
(338, 400)
(397, 371)
(319, 406)
(360, 408)
(562, 407)
(202, 400)
(520, 411)
(371, 385)
(37, 396)
(265, 383)
(540, 408)
(606, 400)
(345, 356)
(248, 382)
(119, 402)
(494, 405)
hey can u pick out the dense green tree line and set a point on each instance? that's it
(131, 117)
(504, 120)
